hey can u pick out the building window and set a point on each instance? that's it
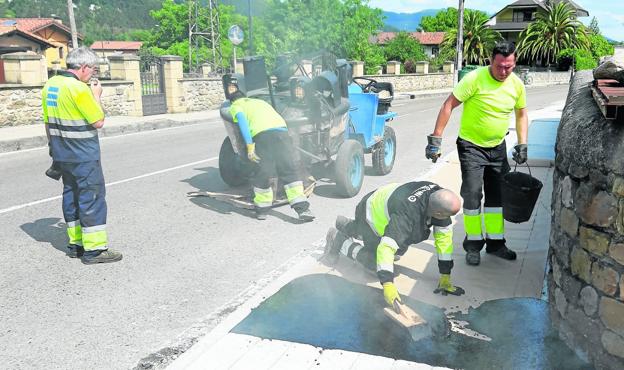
(61, 52)
(523, 15)
(434, 51)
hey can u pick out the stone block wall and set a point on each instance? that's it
(550, 78)
(586, 278)
(417, 82)
(201, 94)
(21, 104)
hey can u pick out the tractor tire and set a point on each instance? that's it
(232, 168)
(349, 168)
(385, 153)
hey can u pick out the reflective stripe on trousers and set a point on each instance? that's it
(472, 224)
(263, 198)
(494, 223)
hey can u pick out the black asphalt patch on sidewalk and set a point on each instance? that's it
(330, 312)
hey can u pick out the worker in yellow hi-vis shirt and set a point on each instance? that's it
(72, 114)
(489, 94)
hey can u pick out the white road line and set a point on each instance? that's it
(20, 206)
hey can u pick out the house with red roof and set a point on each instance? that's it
(429, 40)
(106, 48)
(46, 36)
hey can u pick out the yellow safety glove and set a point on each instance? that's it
(391, 293)
(251, 153)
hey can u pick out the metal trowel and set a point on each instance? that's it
(410, 320)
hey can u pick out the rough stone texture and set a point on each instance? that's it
(21, 105)
(201, 94)
(611, 313)
(618, 186)
(604, 278)
(569, 222)
(561, 302)
(589, 179)
(599, 209)
(550, 78)
(613, 343)
(616, 251)
(568, 186)
(418, 82)
(588, 298)
(594, 241)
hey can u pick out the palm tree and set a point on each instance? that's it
(479, 39)
(554, 30)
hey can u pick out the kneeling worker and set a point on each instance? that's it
(269, 145)
(390, 219)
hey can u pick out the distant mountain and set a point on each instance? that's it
(407, 21)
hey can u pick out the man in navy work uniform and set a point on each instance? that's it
(270, 146)
(72, 114)
(390, 219)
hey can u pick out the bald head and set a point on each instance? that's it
(443, 203)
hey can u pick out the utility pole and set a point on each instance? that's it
(72, 23)
(250, 33)
(460, 41)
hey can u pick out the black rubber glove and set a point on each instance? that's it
(433, 150)
(520, 153)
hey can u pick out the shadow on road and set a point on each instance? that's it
(211, 181)
(50, 230)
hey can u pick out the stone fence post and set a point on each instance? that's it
(393, 68)
(172, 74)
(126, 67)
(448, 67)
(422, 67)
(358, 68)
(25, 68)
(206, 70)
(239, 67)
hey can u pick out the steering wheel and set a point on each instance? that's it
(365, 83)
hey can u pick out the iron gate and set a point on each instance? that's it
(152, 89)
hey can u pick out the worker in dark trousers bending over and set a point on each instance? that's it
(390, 219)
(489, 94)
(72, 113)
(270, 146)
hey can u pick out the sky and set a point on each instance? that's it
(610, 13)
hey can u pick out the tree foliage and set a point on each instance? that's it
(446, 20)
(553, 30)
(404, 47)
(479, 39)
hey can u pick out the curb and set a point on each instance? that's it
(410, 96)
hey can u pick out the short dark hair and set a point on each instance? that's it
(236, 95)
(504, 48)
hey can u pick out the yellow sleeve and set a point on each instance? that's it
(88, 106)
(466, 87)
(521, 102)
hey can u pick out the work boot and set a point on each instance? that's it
(499, 249)
(105, 256)
(445, 287)
(306, 215)
(74, 251)
(342, 223)
(333, 243)
(261, 215)
(473, 258)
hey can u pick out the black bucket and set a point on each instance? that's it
(520, 193)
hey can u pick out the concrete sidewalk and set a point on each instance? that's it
(264, 333)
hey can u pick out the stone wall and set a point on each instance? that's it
(550, 78)
(417, 82)
(201, 94)
(586, 279)
(21, 104)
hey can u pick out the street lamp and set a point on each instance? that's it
(460, 40)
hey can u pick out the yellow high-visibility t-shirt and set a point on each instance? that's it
(487, 106)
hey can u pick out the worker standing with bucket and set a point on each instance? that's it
(489, 95)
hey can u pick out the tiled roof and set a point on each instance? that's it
(425, 38)
(7, 30)
(32, 25)
(116, 45)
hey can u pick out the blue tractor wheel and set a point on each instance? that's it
(385, 153)
(349, 168)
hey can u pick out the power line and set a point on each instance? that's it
(204, 33)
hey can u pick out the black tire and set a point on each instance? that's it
(232, 168)
(385, 153)
(349, 168)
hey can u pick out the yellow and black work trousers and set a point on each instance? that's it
(84, 204)
(275, 149)
(482, 172)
